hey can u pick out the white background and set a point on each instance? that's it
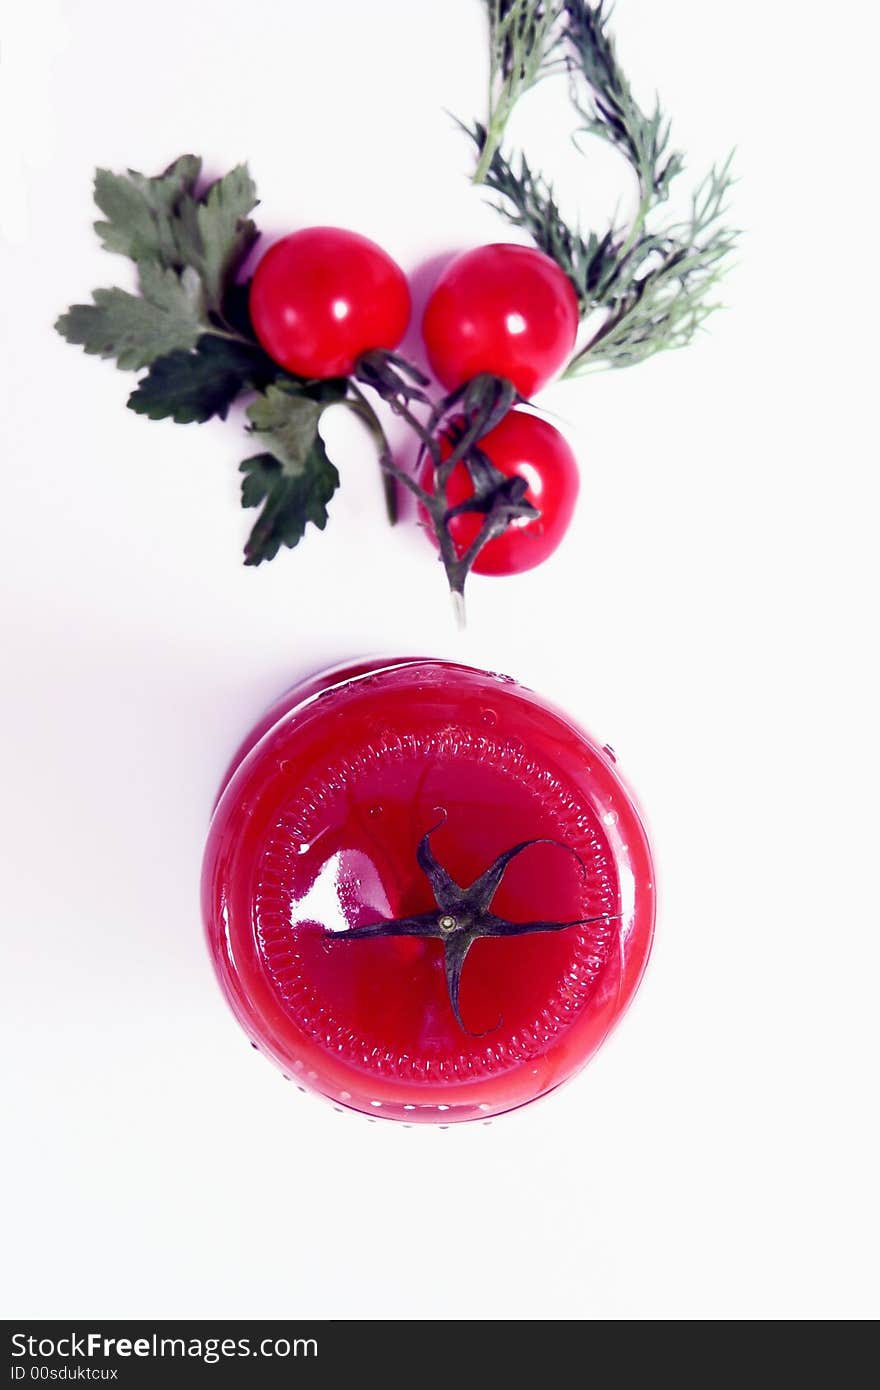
(712, 614)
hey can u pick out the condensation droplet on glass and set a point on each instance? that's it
(610, 751)
(377, 810)
(489, 716)
(609, 818)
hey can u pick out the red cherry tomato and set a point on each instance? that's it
(322, 296)
(316, 835)
(527, 447)
(504, 309)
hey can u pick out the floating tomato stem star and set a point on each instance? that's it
(463, 914)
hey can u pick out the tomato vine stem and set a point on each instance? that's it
(479, 406)
(463, 914)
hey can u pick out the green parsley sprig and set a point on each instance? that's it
(189, 328)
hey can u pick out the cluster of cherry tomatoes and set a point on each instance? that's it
(322, 297)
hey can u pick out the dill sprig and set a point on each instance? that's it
(523, 38)
(602, 96)
(660, 292)
(649, 288)
(528, 201)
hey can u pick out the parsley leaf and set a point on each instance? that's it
(288, 413)
(291, 421)
(216, 234)
(134, 329)
(162, 220)
(289, 501)
(142, 212)
(296, 480)
(192, 386)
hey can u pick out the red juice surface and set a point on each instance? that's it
(316, 833)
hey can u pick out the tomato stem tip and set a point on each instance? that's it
(463, 914)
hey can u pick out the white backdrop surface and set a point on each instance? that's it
(712, 615)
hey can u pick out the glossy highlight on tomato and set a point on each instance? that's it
(322, 297)
(504, 309)
(316, 833)
(524, 446)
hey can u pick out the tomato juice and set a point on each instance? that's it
(315, 834)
